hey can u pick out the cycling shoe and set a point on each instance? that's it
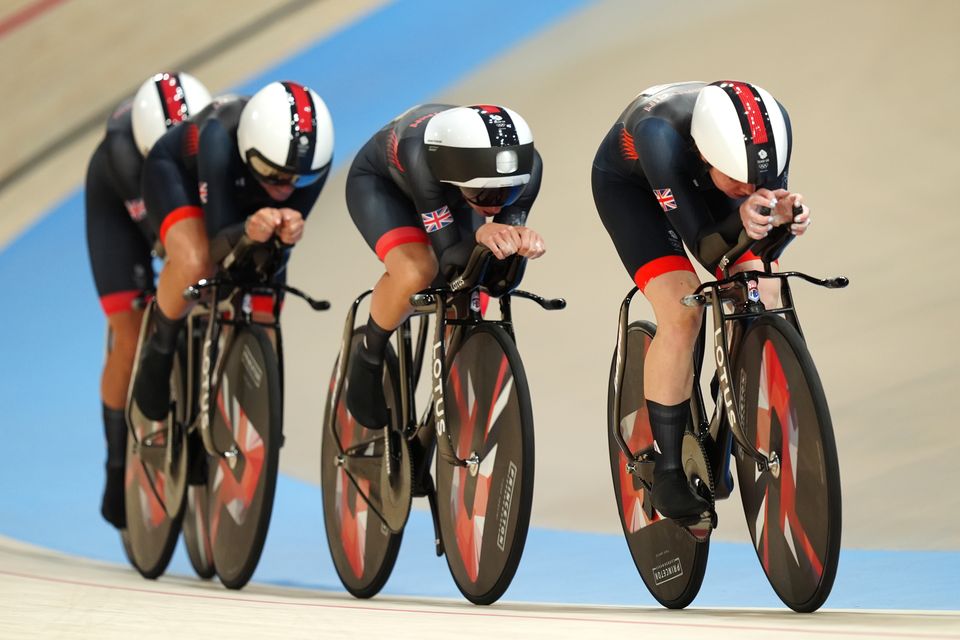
(365, 399)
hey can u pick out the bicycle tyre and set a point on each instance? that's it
(670, 562)
(154, 494)
(799, 548)
(486, 385)
(196, 531)
(362, 547)
(247, 415)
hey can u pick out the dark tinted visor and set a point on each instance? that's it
(272, 174)
(494, 196)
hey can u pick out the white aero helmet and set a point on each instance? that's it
(485, 150)
(740, 129)
(285, 135)
(161, 102)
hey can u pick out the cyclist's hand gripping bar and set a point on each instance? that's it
(768, 248)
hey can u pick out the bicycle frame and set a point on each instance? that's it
(463, 294)
(235, 310)
(740, 291)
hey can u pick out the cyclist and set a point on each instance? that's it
(245, 166)
(119, 240)
(419, 191)
(689, 164)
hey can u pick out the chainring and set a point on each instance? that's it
(697, 467)
(396, 481)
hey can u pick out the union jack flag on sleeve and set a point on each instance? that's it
(665, 198)
(436, 220)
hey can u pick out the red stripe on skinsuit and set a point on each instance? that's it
(175, 216)
(660, 266)
(398, 236)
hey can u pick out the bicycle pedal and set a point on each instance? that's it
(700, 527)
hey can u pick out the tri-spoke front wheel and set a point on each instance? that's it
(484, 507)
(246, 425)
(793, 508)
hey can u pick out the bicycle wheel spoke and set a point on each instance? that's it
(246, 419)
(484, 506)
(792, 508)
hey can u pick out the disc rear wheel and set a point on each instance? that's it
(363, 547)
(670, 560)
(155, 482)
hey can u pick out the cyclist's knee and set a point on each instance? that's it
(125, 329)
(679, 324)
(677, 321)
(414, 272)
(193, 261)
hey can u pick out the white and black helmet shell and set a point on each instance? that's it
(740, 129)
(288, 125)
(161, 102)
(479, 146)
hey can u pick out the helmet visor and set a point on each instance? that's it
(269, 173)
(493, 196)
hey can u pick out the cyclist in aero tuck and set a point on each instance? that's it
(419, 192)
(119, 240)
(243, 166)
(690, 164)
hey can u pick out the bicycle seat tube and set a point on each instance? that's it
(619, 366)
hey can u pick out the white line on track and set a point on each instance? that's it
(47, 594)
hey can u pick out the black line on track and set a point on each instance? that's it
(208, 53)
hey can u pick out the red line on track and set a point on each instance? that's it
(26, 14)
(487, 614)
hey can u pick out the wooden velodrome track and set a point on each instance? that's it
(871, 88)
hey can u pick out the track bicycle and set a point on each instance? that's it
(212, 464)
(479, 422)
(770, 416)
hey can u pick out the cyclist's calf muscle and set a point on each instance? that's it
(125, 329)
(668, 366)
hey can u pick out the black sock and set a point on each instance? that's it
(375, 340)
(668, 424)
(166, 332)
(115, 430)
